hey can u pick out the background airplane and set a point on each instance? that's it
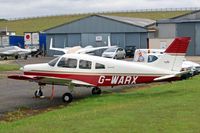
(93, 71)
(14, 51)
(79, 49)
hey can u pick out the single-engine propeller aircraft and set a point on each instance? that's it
(80, 50)
(93, 71)
(14, 51)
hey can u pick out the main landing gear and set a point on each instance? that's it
(96, 91)
(67, 97)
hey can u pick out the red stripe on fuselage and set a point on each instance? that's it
(97, 80)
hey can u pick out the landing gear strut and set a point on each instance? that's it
(38, 92)
(96, 91)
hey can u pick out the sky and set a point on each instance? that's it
(33, 8)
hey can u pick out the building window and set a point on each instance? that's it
(84, 64)
(67, 62)
(99, 66)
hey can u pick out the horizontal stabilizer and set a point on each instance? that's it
(170, 76)
(165, 77)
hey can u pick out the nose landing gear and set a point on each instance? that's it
(38, 93)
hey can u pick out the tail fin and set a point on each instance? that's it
(109, 42)
(65, 50)
(174, 55)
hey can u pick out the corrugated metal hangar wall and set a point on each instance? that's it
(94, 30)
(185, 25)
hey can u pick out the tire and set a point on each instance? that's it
(96, 91)
(16, 56)
(5, 58)
(67, 98)
(25, 57)
(38, 93)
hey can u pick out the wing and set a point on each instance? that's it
(49, 80)
(88, 50)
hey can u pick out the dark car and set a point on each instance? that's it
(130, 50)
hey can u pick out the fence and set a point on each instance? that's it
(122, 11)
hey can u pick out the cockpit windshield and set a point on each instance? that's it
(53, 62)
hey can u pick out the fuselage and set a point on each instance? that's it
(97, 71)
(13, 50)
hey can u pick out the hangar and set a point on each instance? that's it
(184, 25)
(95, 29)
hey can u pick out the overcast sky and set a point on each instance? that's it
(28, 8)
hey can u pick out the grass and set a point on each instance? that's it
(151, 15)
(37, 24)
(42, 23)
(9, 67)
(173, 107)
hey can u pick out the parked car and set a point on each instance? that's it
(115, 53)
(130, 50)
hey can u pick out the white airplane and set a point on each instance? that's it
(14, 51)
(93, 71)
(79, 49)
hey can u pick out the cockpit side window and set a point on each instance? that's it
(67, 62)
(99, 66)
(54, 61)
(152, 58)
(84, 64)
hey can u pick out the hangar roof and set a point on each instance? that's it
(139, 23)
(134, 21)
(189, 17)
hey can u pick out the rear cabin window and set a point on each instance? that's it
(99, 66)
(152, 58)
(68, 63)
(84, 64)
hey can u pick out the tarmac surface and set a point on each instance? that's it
(16, 94)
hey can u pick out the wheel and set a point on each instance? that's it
(38, 93)
(96, 91)
(67, 98)
(5, 58)
(16, 56)
(25, 57)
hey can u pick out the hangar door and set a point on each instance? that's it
(73, 40)
(118, 39)
(96, 40)
(197, 39)
(187, 29)
(133, 39)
